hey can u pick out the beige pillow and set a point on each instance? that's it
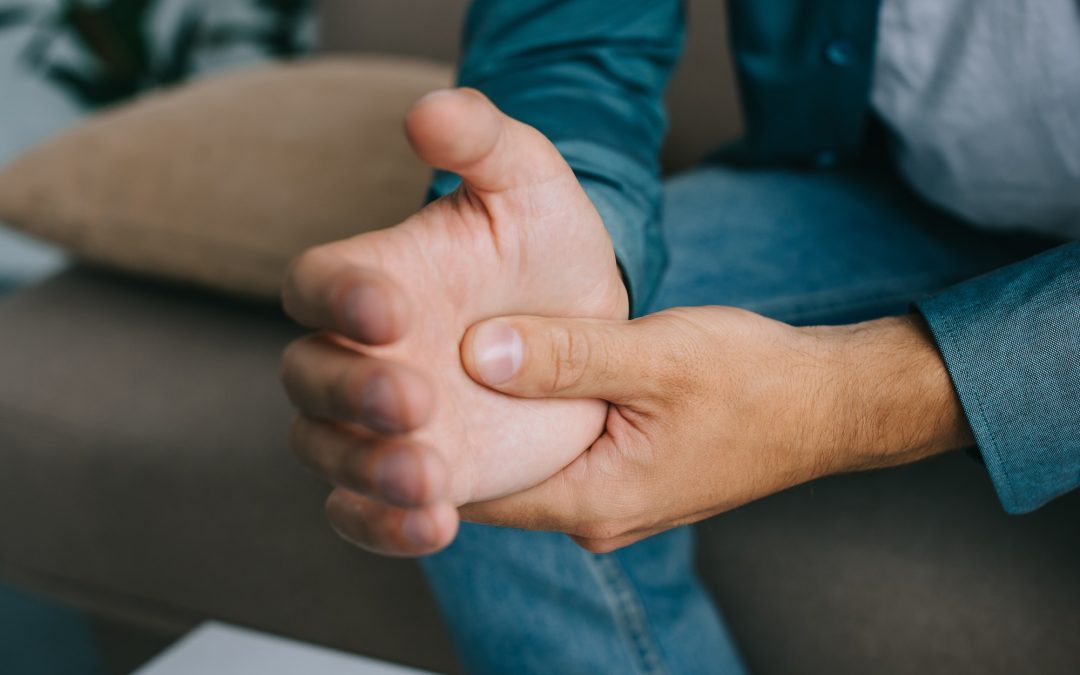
(222, 182)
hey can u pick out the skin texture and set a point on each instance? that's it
(475, 361)
(386, 411)
(713, 407)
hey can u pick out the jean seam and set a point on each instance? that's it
(629, 613)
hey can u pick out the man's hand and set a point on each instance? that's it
(712, 408)
(387, 413)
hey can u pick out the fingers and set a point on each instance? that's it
(326, 380)
(399, 472)
(390, 530)
(461, 131)
(325, 291)
(557, 508)
(566, 502)
(547, 507)
(536, 357)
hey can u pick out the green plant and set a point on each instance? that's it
(121, 61)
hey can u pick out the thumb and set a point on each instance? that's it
(535, 357)
(461, 131)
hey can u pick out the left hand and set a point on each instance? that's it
(386, 413)
(712, 408)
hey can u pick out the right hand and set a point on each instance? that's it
(387, 413)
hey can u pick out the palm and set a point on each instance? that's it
(534, 247)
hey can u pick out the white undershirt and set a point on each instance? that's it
(983, 99)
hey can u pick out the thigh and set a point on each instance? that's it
(815, 247)
(534, 602)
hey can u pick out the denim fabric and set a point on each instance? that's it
(40, 638)
(534, 602)
(1011, 340)
(803, 247)
(816, 247)
(590, 74)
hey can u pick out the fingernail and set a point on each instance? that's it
(378, 400)
(437, 94)
(367, 315)
(393, 478)
(497, 351)
(418, 529)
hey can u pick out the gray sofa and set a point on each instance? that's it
(144, 477)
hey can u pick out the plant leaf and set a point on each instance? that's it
(14, 16)
(91, 92)
(182, 55)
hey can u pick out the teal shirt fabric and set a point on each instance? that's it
(590, 74)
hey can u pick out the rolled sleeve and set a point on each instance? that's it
(590, 75)
(1011, 342)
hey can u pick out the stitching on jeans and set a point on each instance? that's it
(629, 614)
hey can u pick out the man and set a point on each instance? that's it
(476, 360)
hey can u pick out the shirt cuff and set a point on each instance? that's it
(1010, 341)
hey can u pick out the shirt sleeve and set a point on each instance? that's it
(1011, 342)
(590, 75)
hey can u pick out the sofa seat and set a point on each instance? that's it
(144, 475)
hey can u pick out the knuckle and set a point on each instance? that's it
(307, 262)
(297, 365)
(313, 447)
(679, 361)
(296, 272)
(346, 389)
(293, 270)
(570, 355)
(290, 358)
(353, 470)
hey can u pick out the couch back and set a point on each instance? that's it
(702, 100)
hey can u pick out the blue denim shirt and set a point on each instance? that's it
(590, 74)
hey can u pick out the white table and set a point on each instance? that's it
(220, 649)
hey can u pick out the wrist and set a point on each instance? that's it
(894, 400)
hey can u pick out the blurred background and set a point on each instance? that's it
(62, 61)
(145, 486)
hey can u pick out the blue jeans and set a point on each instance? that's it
(806, 248)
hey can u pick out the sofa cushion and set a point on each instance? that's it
(59, 63)
(222, 182)
(143, 470)
(145, 474)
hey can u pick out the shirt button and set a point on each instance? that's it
(826, 159)
(841, 52)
